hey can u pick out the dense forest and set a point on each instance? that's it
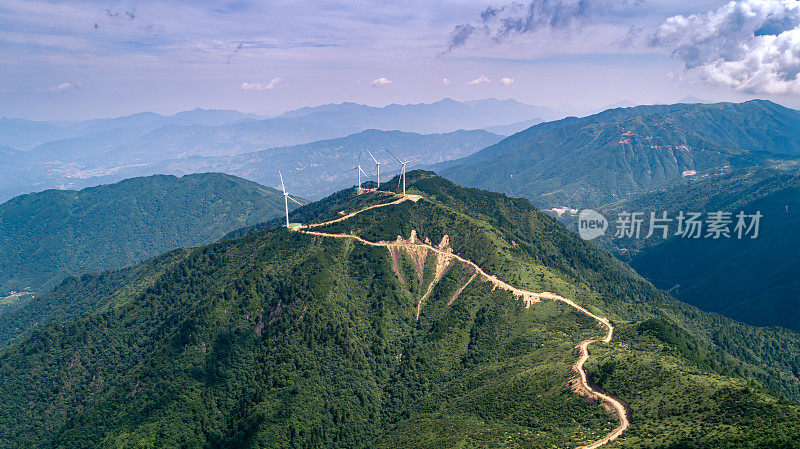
(749, 279)
(47, 236)
(282, 339)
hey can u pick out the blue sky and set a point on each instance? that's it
(84, 59)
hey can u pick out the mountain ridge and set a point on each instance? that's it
(107, 150)
(48, 235)
(317, 169)
(586, 162)
(449, 114)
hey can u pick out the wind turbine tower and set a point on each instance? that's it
(378, 168)
(286, 199)
(402, 171)
(359, 170)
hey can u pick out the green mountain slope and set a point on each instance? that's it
(602, 158)
(617, 290)
(285, 339)
(47, 236)
(77, 296)
(753, 280)
(750, 280)
(674, 400)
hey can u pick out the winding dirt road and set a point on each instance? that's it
(528, 296)
(619, 408)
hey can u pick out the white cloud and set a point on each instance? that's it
(273, 83)
(748, 45)
(445, 81)
(63, 87)
(380, 82)
(479, 80)
(507, 81)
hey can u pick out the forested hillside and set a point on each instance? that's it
(47, 236)
(750, 280)
(285, 339)
(606, 157)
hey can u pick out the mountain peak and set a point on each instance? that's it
(691, 99)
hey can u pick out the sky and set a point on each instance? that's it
(86, 59)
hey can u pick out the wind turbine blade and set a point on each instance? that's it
(298, 202)
(372, 156)
(398, 159)
(282, 186)
(398, 180)
(362, 171)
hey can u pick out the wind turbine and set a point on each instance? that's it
(378, 165)
(402, 171)
(286, 199)
(359, 170)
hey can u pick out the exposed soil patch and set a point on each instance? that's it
(395, 253)
(259, 326)
(417, 251)
(444, 260)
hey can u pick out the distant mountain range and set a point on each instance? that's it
(27, 134)
(317, 169)
(49, 235)
(442, 116)
(512, 128)
(39, 155)
(600, 159)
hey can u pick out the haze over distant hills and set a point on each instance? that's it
(317, 169)
(442, 116)
(39, 155)
(26, 134)
(590, 161)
